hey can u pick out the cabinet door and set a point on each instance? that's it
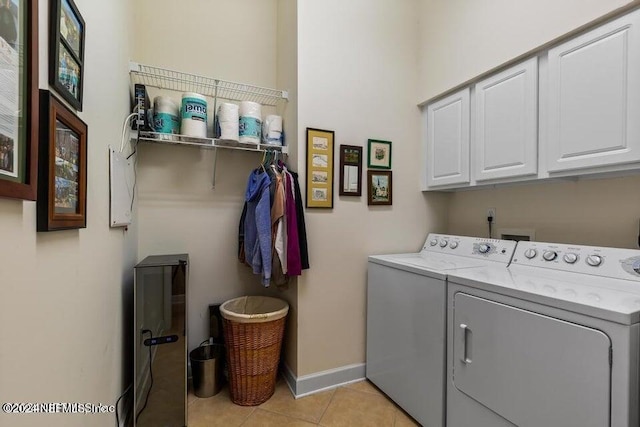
(448, 140)
(594, 98)
(506, 143)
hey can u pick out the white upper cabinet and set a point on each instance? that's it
(572, 110)
(448, 140)
(506, 123)
(593, 104)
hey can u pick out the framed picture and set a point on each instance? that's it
(66, 51)
(350, 170)
(379, 187)
(62, 183)
(319, 168)
(19, 99)
(379, 155)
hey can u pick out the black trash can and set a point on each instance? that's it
(206, 369)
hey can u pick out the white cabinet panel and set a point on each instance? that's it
(448, 140)
(406, 333)
(506, 142)
(594, 98)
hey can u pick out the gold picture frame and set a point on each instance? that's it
(320, 147)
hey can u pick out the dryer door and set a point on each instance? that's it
(531, 369)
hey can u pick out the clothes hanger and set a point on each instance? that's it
(264, 155)
(273, 156)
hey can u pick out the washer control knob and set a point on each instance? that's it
(433, 242)
(570, 258)
(443, 243)
(550, 255)
(530, 253)
(484, 248)
(453, 245)
(594, 260)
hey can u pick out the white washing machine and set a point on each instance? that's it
(552, 341)
(406, 318)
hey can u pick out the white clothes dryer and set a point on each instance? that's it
(551, 341)
(406, 318)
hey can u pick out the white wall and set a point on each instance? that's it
(460, 40)
(287, 77)
(179, 211)
(64, 294)
(601, 212)
(357, 76)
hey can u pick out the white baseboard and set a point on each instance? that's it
(325, 380)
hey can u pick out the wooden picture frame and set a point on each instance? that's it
(319, 188)
(62, 186)
(66, 51)
(379, 154)
(379, 188)
(350, 170)
(19, 132)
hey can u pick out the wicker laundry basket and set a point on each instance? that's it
(253, 330)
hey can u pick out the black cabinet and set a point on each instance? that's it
(160, 341)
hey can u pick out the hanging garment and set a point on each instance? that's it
(302, 229)
(278, 265)
(278, 277)
(257, 225)
(294, 264)
(277, 215)
(241, 254)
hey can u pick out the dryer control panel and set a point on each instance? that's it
(476, 247)
(593, 260)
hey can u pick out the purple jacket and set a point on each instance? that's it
(294, 264)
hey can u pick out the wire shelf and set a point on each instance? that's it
(207, 143)
(185, 82)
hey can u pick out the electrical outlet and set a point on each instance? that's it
(491, 212)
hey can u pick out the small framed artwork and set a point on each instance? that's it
(379, 187)
(320, 145)
(350, 170)
(379, 155)
(66, 51)
(62, 181)
(19, 99)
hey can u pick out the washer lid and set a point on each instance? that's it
(442, 253)
(428, 264)
(610, 299)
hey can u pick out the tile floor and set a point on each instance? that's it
(359, 404)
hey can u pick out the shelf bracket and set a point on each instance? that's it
(209, 144)
(215, 162)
